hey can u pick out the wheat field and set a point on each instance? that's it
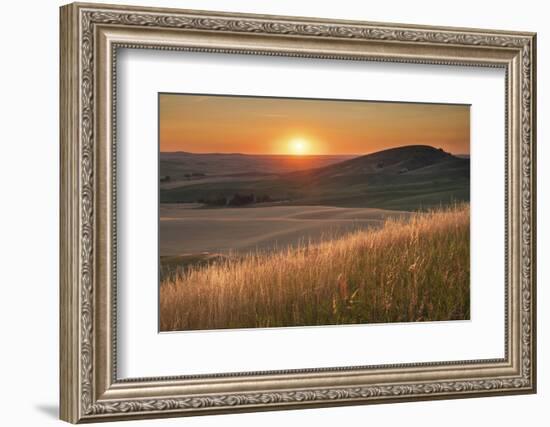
(409, 270)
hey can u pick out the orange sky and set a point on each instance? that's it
(259, 125)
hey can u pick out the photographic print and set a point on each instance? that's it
(281, 212)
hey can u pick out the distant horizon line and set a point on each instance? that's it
(261, 154)
(303, 155)
(283, 154)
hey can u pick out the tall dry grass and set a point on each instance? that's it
(415, 269)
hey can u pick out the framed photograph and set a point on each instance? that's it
(265, 212)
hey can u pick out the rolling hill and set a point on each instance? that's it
(403, 178)
(180, 163)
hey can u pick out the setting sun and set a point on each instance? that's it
(299, 146)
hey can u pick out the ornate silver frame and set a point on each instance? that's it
(90, 36)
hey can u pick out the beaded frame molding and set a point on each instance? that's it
(90, 37)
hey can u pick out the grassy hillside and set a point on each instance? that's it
(403, 178)
(415, 269)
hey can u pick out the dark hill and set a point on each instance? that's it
(393, 161)
(405, 178)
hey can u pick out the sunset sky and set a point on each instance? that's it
(259, 125)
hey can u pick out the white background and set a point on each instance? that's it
(143, 352)
(29, 171)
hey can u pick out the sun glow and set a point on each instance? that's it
(299, 146)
